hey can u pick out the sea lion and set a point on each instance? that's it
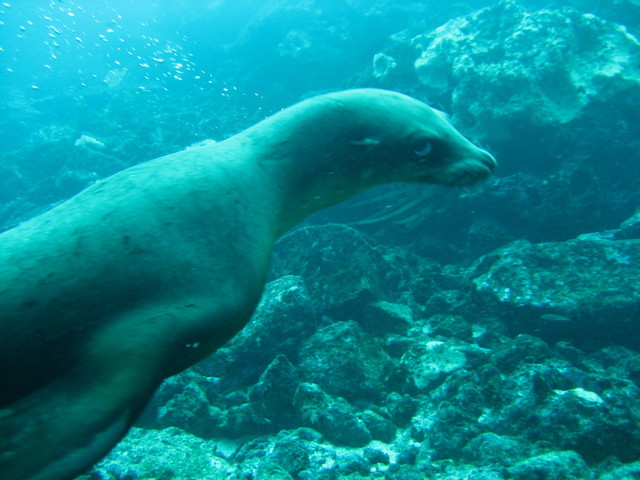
(149, 271)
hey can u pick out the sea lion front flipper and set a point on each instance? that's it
(57, 432)
(61, 429)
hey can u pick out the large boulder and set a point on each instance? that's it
(584, 289)
(283, 320)
(344, 360)
(332, 416)
(340, 266)
(168, 454)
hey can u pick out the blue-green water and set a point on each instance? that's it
(415, 331)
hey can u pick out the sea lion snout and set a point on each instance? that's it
(472, 167)
(488, 160)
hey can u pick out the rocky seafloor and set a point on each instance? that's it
(401, 368)
(485, 334)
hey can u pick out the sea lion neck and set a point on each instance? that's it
(305, 156)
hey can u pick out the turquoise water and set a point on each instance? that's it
(490, 332)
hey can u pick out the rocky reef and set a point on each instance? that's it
(512, 368)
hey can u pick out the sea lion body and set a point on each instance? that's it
(149, 271)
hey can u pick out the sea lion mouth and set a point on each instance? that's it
(469, 171)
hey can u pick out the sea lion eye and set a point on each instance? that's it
(422, 147)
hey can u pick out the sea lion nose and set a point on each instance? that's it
(488, 160)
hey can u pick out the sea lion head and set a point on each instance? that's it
(393, 137)
(330, 147)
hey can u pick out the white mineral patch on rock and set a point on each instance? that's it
(434, 359)
(382, 65)
(585, 395)
(86, 140)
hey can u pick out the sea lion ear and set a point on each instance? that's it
(370, 142)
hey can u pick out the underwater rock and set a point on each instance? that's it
(383, 318)
(345, 361)
(287, 453)
(516, 396)
(522, 349)
(565, 465)
(595, 424)
(184, 401)
(282, 322)
(291, 454)
(382, 65)
(453, 302)
(231, 416)
(584, 289)
(88, 141)
(341, 268)
(301, 454)
(626, 472)
(332, 416)
(427, 363)
(161, 454)
(493, 449)
(401, 408)
(375, 456)
(273, 472)
(189, 410)
(445, 427)
(242, 420)
(450, 326)
(619, 362)
(630, 228)
(273, 395)
(542, 67)
(380, 428)
(625, 12)
(585, 405)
